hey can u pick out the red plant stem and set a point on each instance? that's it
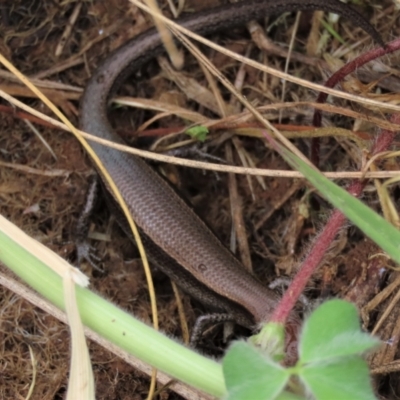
(325, 238)
(307, 268)
(338, 76)
(350, 67)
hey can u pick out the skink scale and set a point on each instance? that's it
(176, 239)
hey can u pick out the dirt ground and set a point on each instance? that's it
(43, 179)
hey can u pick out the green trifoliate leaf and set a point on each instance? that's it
(346, 379)
(250, 374)
(333, 330)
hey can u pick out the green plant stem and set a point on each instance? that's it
(112, 323)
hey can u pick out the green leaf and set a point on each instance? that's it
(252, 375)
(332, 331)
(332, 31)
(198, 132)
(372, 224)
(289, 396)
(347, 379)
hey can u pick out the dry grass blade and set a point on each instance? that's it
(200, 164)
(272, 71)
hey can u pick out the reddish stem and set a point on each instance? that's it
(322, 242)
(351, 67)
(325, 238)
(338, 76)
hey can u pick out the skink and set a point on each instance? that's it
(175, 238)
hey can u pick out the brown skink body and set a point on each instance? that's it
(176, 239)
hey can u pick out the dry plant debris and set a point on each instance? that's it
(277, 225)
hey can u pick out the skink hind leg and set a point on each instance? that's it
(205, 321)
